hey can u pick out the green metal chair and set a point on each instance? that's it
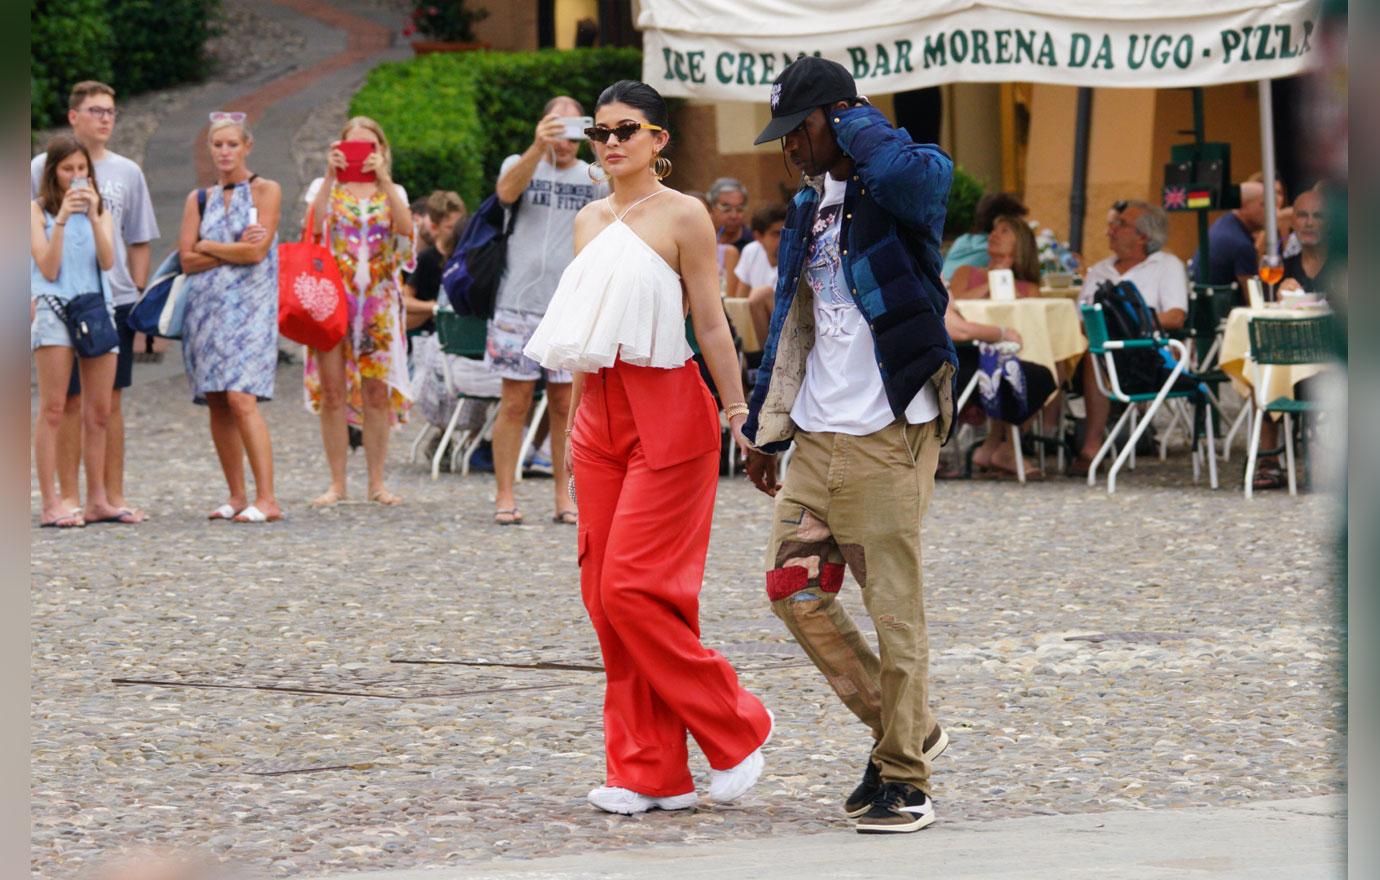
(1284, 342)
(1209, 306)
(460, 336)
(1100, 348)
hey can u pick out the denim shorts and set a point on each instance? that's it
(509, 333)
(48, 329)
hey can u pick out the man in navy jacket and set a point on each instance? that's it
(858, 371)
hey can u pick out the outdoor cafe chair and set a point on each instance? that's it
(1283, 342)
(459, 336)
(1101, 349)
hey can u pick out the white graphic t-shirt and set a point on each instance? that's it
(843, 390)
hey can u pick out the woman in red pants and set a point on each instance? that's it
(645, 446)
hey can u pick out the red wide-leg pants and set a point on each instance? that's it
(644, 535)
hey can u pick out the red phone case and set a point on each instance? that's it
(355, 154)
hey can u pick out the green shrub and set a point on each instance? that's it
(964, 193)
(135, 45)
(452, 118)
(70, 40)
(160, 42)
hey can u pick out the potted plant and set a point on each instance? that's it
(445, 26)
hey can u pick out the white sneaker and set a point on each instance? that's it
(726, 786)
(626, 802)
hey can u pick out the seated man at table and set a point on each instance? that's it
(1231, 241)
(1301, 271)
(1136, 233)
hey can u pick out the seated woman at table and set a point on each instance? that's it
(996, 452)
(1011, 245)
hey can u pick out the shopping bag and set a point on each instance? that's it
(311, 294)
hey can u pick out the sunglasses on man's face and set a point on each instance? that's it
(602, 133)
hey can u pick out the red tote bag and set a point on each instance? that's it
(311, 294)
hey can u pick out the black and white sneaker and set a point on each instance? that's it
(860, 801)
(899, 807)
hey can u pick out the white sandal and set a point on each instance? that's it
(252, 514)
(225, 511)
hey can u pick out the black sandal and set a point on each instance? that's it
(1268, 476)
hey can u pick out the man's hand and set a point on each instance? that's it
(761, 469)
(549, 131)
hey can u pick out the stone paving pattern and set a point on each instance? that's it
(287, 734)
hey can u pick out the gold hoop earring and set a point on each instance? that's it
(661, 167)
(597, 172)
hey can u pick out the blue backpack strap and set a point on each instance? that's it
(201, 203)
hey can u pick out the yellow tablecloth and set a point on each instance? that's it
(741, 319)
(1051, 334)
(1235, 361)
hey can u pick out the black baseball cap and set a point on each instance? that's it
(806, 83)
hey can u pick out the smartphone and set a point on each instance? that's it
(80, 183)
(355, 154)
(575, 126)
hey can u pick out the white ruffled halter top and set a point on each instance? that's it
(617, 300)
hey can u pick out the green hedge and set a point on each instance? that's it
(452, 118)
(135, 45)
(70, 41)
(964, 193)
(160, 42)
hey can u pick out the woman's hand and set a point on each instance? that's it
(569, 455)
(374, 162)
(335, 162)
(253, 234)
(735, 426)
(1009, 334)
(74, 202)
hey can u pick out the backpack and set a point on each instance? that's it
(1128, 317)
(475, 268)
(1139, 371)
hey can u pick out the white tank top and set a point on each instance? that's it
(617, 300)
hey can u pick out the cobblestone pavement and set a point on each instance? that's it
(367, 688)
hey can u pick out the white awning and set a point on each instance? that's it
(733, 49)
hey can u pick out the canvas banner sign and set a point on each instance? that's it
(733, 49)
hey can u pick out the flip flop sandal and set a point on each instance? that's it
(65, 522)
(1267, 478)
(225, 511)
(124, 516)
(252, 514)
(566, 518)
(514, 517)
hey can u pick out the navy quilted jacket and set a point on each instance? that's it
(893, 222)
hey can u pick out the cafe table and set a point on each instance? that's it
(1235, 360)
(1051, 333)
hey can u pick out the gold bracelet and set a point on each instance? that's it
(736, 409)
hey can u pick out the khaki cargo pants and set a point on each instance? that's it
(859, 501)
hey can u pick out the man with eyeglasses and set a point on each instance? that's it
(91, 113)
(728, 206)
(858, 370)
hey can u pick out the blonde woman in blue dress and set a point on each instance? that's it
(230, 332)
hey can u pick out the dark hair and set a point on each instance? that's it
(763, 218)
(994, 205)
(639, 96)
(49, 193)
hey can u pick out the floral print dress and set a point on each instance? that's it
(369, 255)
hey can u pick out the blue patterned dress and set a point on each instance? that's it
(230, 332)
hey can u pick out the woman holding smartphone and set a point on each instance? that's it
(230, 332)
(71, 240)
(363, 381)
(645, 450)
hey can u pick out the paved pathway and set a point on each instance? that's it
(1302, 839)
(371, 689)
